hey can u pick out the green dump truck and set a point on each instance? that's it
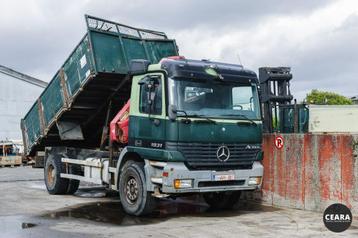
(126, 111)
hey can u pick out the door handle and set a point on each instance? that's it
(156, 122)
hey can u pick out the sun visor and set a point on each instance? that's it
(206, 70)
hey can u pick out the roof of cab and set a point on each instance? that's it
(180, 67)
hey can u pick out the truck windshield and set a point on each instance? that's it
(214, 99)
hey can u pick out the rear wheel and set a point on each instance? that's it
(54, 183)
(222, 200)
(135, 198)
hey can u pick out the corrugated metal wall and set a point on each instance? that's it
(16, 98)
(311, 171)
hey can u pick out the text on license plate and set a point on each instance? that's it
(224, 177)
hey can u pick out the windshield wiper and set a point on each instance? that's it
(243, 116)
(187, 120)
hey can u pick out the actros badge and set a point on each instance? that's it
(337, 217)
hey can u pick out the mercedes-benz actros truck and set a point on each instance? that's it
(126, 111)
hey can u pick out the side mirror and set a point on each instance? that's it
(138, 66)
(149, 84)
(143, 81)
(150, 81)
(172, 112)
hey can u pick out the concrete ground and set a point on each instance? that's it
(27, 210)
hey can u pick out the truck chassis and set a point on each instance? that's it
(142, 179)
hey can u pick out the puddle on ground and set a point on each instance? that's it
(113, 213)
(95, 192)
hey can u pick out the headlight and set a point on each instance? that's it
(183, 183)
(254, 181)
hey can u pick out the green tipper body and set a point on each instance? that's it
(80, 90)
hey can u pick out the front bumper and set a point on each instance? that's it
(204, 180)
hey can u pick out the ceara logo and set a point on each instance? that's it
(337, 217)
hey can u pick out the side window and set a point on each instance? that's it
(242, 98)
(147, 95)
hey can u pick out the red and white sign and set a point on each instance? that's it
(279, 142)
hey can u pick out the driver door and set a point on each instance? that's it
(147, 112)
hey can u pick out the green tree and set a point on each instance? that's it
(326, 98)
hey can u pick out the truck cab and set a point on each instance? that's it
(196, 127)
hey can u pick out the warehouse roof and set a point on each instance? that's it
(23, 77)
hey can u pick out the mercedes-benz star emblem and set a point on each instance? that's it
(223, 153)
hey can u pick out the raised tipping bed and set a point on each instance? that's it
(93, 76)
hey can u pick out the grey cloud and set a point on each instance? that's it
(188, 14)
(351, 23)
(332, 65)
(32, 43)
(39, 41)
(329, 64)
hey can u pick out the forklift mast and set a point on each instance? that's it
(274, 93)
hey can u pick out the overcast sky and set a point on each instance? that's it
(318, 39)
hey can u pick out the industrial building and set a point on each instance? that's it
(18, 92)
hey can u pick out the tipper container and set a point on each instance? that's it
(93, 76)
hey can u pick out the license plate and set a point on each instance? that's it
(224, 177)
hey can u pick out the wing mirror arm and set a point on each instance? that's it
(172, 112)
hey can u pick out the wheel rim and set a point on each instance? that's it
(131, 190)
(51, 174)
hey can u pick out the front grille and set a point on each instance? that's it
(202, 156)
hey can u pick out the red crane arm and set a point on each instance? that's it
(119, 125)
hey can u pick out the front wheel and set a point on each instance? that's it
(222, 200)
(135, 198)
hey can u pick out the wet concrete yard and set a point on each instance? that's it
(26, 210)
(112, 213)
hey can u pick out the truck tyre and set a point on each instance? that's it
(54, 183)
(135, 198)
(222, 200)
(73, 184)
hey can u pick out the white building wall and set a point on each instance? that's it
(333, 118)
(16, 98)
